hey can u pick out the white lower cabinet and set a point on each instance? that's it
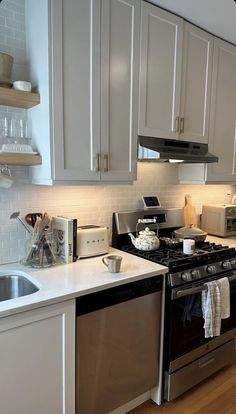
(84, 59)
(37, 360)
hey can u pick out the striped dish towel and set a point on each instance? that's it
(215, 305)
(211, 309)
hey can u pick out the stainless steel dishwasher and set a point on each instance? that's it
(118, 335)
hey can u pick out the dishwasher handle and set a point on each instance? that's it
(113, 296)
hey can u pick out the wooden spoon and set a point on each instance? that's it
(31, 218)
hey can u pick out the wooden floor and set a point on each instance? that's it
(216, 395)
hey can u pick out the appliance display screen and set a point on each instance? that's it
(151, 201)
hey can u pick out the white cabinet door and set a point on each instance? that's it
(174, 105)
(85, 61)
(120, 33)
(63, 40)
(196, 84)
(223, 113)
(222, 131)
(37, 359)
(160, 72)
(76, 88)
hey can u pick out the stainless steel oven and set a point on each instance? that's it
(188, 356)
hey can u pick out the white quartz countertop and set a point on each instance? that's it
(69, 281)
(225, 241)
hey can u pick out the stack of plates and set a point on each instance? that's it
(17, 148)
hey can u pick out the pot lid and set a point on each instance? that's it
(190, 230)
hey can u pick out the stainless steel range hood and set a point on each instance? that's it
(173, 151)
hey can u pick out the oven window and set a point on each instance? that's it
(186, 323)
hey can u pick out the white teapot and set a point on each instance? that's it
(147, 240)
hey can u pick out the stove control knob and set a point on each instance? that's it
(186, 277)
(195, 274)
(211, 269)
(233, 262)
(226, 265)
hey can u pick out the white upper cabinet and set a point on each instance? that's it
(175, 77)
(196, 84)
(120, 36)
(160, 72)
(84, 57)
(222, 131)
(223, 113)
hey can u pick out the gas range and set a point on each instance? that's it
(188, 361)
(208, 259)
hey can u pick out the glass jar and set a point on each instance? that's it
(40, 252)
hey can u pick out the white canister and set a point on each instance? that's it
(188, 246)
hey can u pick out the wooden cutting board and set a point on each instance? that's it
(190, 216)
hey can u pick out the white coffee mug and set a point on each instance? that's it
(113, 263)
(6, 179)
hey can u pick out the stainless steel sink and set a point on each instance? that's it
(16, 284)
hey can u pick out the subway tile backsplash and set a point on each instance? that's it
(94, 204)
(90, 204)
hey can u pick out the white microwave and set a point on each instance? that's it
(219, 219)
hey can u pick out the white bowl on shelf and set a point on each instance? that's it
(22, 86)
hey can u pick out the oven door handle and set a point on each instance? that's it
(175, 294)
(186, 292)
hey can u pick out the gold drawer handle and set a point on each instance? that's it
(98, 162)
(106, 164)
(177, 124)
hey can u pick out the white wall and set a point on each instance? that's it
(89, 204)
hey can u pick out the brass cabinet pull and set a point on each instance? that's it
(98, 166)
(177, 124)
(105, 164)
(181, 125)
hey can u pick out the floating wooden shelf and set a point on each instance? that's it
(20, 159)
(18, 99)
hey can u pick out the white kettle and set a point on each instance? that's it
(147, 239)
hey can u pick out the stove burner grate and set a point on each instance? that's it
(176, 260)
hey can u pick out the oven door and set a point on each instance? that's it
(185, 327)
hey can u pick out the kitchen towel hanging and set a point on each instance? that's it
(215, 306)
